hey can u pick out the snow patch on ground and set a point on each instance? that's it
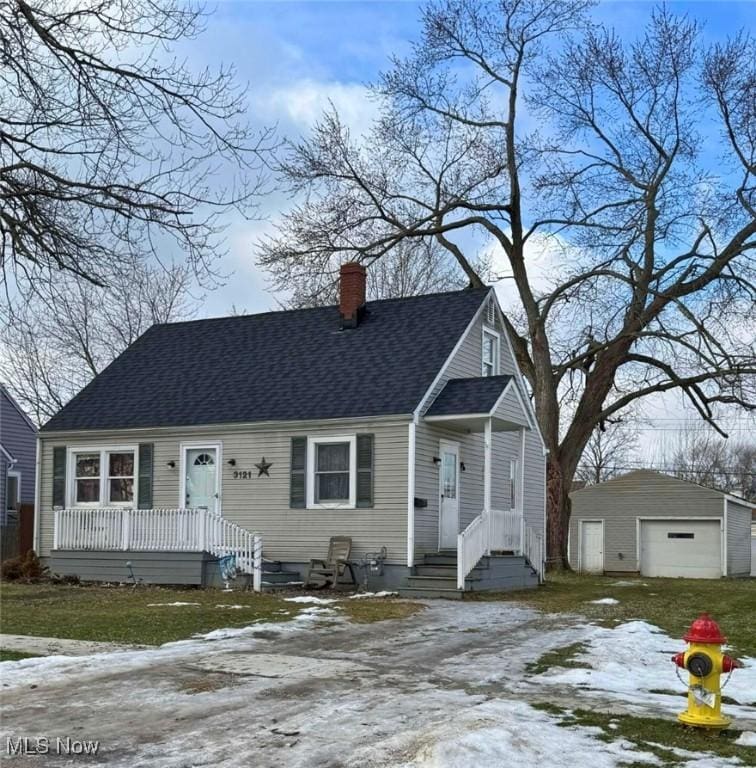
(629, 584)
(362, 595)
(629, 661)
(746, 739)
(227, 605)
(177, 604)
(483, 735)
(310, 599)
(605, 601)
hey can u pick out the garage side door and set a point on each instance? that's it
(681, 548)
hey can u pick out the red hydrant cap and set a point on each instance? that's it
(704, 630)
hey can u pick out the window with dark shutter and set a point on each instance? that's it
(297, 492)
(365, 470)
(59, 477)
(145, 476)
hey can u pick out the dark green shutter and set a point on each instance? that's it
(59, 477)
(145, 476)
(297, 492)
(364, 470)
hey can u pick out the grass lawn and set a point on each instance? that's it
(14, 655)
(671, 604)
(124, 614)
(657, 735)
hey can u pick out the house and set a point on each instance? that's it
(656, 525)
(18, 448)
(402, 423)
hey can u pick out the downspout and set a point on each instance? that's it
(411, 494)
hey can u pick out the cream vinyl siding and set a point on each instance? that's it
(738, 539)
(262, 503)
(621, 501)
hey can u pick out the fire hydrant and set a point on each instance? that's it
(705, 662)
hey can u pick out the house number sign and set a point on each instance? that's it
(262, 467)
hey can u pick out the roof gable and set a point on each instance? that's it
(620, 483)
(276, 366)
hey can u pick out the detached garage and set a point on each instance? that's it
(656, 525)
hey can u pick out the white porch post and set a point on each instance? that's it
(125, 529)
(487, 482)
(56, 530)
(520, 500)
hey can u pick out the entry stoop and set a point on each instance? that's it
(436, 576)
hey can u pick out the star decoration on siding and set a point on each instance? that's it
(263, 467)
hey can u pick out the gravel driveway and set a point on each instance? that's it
(447, 686)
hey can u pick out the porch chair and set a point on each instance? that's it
(333, 567)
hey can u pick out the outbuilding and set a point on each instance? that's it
(657, 525)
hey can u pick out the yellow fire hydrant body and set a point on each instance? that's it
(705, 663)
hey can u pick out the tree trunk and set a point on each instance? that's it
(558, 484)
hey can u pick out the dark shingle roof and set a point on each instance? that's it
(285, 366)
(462, 396)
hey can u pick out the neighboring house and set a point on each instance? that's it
(402, 423)
(18, 448)
(656, 525)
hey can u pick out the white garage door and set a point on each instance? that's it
(681, 548)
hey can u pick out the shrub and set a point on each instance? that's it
(26, 567)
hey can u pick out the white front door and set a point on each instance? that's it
(449, 507)
(201, 480)
(591, 546)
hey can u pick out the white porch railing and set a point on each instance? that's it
(506, 530)
(159, 530)
(498, 530)
(533, 549)
(472, 544)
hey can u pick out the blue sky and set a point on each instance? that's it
(298, 55)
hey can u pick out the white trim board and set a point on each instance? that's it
(519, 377)
(411, 446)
(312, 442)
(103, 450)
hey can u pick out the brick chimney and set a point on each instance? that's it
(352, 281)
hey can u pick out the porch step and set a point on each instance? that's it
(436, 576)
(437, 582)
(274, 580)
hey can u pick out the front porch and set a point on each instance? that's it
(156, 546)
(484, 405)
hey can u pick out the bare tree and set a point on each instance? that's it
(71, 329)
(707, 459)
(110, 148)
(608, 452)
(656, 291)
(412, 268)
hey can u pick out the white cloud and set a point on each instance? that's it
(304, 101)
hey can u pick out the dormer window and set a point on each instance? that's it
(490, 353)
